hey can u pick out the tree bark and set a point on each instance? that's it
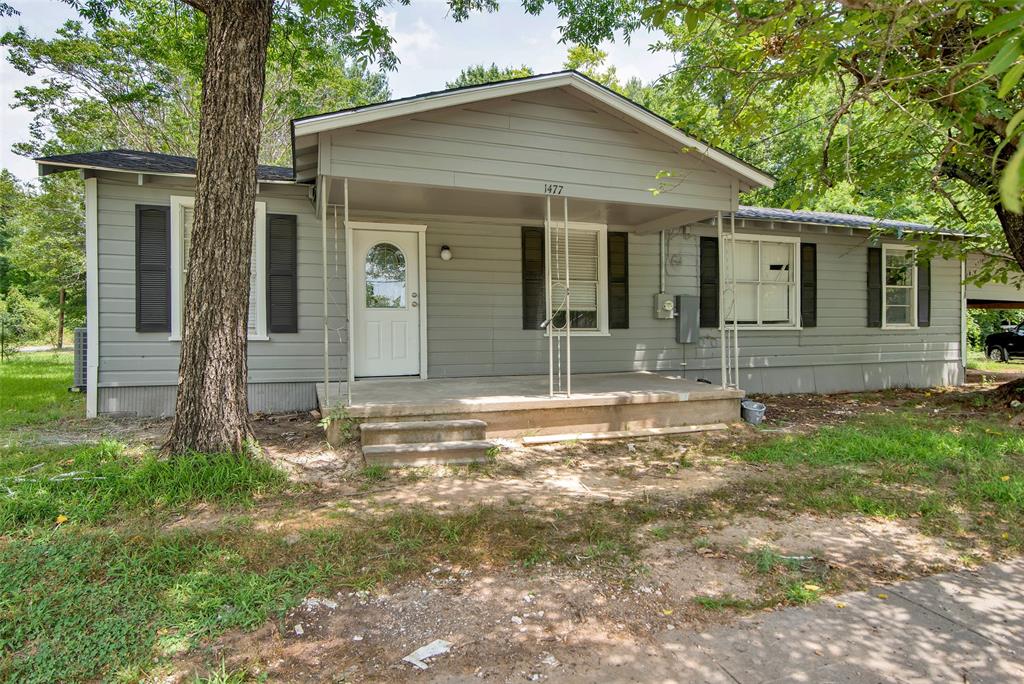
(60, 317)
(211, 411)
(1013, 228)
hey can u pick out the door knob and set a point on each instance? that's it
(415, 304)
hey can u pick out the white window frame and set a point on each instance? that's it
(602, 277)
(259, 245)
(912, 253)
(794, 284)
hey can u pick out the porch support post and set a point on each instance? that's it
(721, 303)
(325, 189)
(350, 368)
(568, 305)
(735, 317)
(547, 295)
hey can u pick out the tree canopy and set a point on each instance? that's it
(133, 79)
(896, 106)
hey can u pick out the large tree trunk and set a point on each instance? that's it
(1013, 228)
(211, 412)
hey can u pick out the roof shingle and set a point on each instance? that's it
(148, 162)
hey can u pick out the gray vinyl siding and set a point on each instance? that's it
(520, 143)
(158, 400)
(475, 318)
(131, 359)
(1011, 292)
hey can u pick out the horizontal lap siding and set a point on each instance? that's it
(129, 358)
(518, 144)
(475, 319)
(474, 305)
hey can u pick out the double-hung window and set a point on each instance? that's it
(767, 277)
(899, 301)
(182, 219)
(588, 277)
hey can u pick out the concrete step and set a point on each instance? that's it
(421, 431)
(428, 453)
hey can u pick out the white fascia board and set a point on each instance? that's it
(441, 100)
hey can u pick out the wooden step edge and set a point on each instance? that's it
(428, 447)
(622, 434)
(464, 423)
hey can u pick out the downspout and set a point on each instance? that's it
(326, 185)
(349, 302)
(963, 321)
(721, 304)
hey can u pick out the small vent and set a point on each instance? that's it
(80, 359)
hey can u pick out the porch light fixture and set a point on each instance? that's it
(446, 253)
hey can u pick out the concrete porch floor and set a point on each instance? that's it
(516, 405)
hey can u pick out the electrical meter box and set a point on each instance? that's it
(664, 306)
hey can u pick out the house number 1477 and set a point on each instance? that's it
(552, 189)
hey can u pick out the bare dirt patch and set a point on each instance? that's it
(503, 626)
(872, 548)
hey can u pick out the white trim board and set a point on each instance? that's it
(92, 298)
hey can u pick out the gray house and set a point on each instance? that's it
(539, 240)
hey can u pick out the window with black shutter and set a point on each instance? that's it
(618, 280)
(534, 303)
(152, 269)
(708, 282)
(282, 274)
(808, 284)
(924, 293)
(874, 287)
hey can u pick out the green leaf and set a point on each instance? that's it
(691, 20)
(1011, 79)
(1005, 22)
(1014, 122)
(985, 53)
(1006, 57)
(1009, 184)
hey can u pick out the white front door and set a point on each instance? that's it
(386, 269)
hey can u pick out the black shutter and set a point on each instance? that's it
(924, 293)
(808, 284)
(618, 280)
(708, 282)
(874, 287)
(152, 268)
(534, 302)
(282, 274)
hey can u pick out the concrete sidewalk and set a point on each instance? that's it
(959, 627)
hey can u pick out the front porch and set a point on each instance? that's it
(602, 405)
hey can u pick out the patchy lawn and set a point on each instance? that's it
(116, 564)
(34, 389)
(977, 361)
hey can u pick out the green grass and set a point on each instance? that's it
(33, 389)
(976, 360)
(901, 465)
(724, 602)
(89, 484)
(83, 603)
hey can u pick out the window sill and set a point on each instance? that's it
(581, 333)
(789, 328)
(900, 327)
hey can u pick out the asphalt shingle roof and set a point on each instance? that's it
(150, 162)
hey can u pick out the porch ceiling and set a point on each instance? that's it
(426, 200)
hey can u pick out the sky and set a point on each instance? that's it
(432, 48)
